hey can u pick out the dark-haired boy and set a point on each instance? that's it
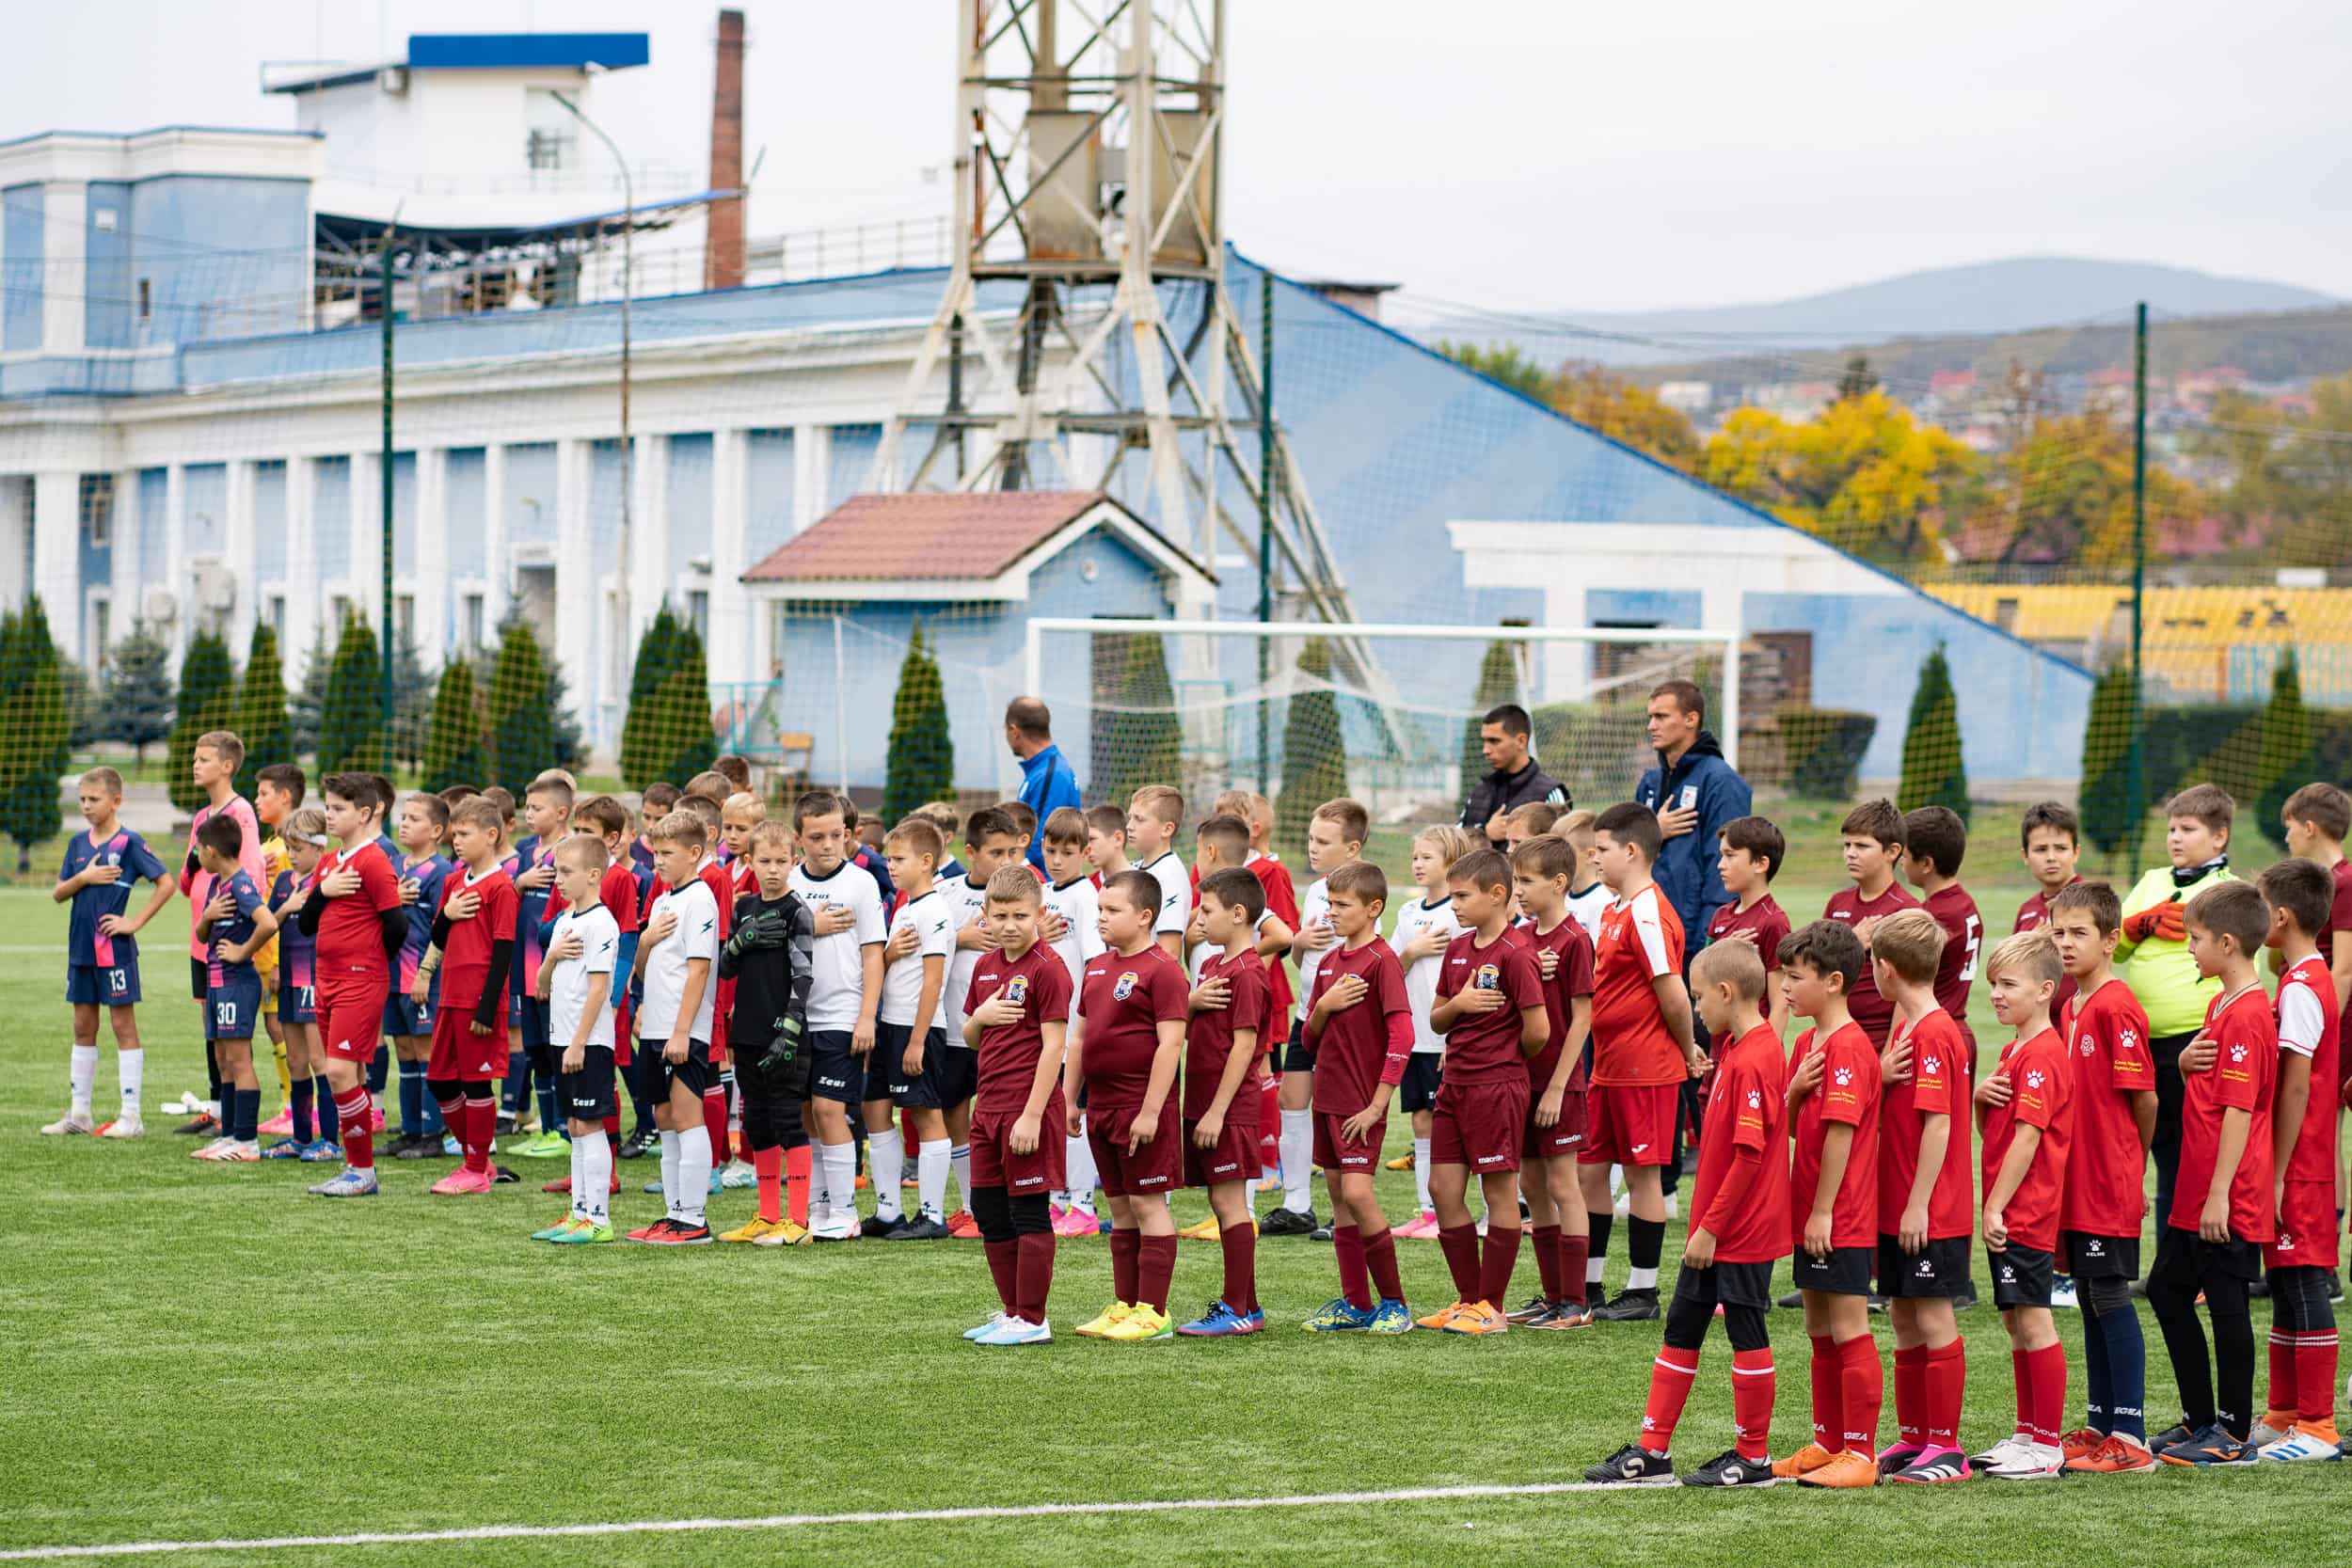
(910, 1069)
(355, 917)
(1229, 1009)
(2050, 839)
(1753, 850)
(992, 839)
(1558, 1086)
(424, 825)
(102, 950)
(468, 966)
(1934, 842)
(1870, 840)
(1335, 837)
(2317, 819)
(844, 997)
(235, 922)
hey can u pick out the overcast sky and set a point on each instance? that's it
(1508, 153)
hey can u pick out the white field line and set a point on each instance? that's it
(796, 1521)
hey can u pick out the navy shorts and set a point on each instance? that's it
(695, 1072)
(103, 985)
(1423, 1071)
(534, 1023)
(199, 978)
(587, 1095)
(1300, 1057)
(297, 1004)
(404, 1016)
(934, 1088)
(834, 1071)
(233, 1010)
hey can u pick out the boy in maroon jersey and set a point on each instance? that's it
(2050, 837)
(1871, 842)
(1927, 1210)
(2299, 1420)
(1832, 1093)
(473, 950)
(357, 922)
(1934, 842)
(1541, 871)
(1491, 1009)
(2317, 817)
(1739, 1225)
(1124, 1053)
(1753, 849)
(1018, 1018)
(606, 819)
(2105, 1032)
(1358, 1031)
(1229, 1012)
(2026, 1116)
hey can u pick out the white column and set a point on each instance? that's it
(429, 578)
(1567, 673)
(495, 566)
(729, 647)
(56, 558)
(16, 518)
(365, 585)
(175, 556)
(123, 582)
(302, 568)
(579, 599)
(812, 457)
(241, 555)
(65, 218)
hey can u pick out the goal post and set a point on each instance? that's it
(1385, 712)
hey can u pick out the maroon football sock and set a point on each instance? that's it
(1354, 1281)
(1494, 1273)
(1240, 1242)
(1380, 1258)
(1003, 1267)
(1126, 1257)
(1547, 1259)
(1156, 1268)
(1460, 1243)
(1572, 1258)
(1034, 1279)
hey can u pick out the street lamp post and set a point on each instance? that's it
(629, 274)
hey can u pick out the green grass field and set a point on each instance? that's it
(201, 1352)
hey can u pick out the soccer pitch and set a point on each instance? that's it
(201, 1354)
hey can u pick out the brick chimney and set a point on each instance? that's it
(722, 243)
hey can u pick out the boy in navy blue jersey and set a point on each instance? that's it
(310, 1103)
(102, 949)
(234, 923)
(424, 823)
(547, 808)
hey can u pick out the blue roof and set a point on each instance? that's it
(163, 130)
(511, 50)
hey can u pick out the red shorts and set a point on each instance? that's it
(1155, 1167)
(1039, 1171)
(459, 1052)
(1629, 1124)
(2307, 1227)
(1333, 1153)
(1565, 1136)
(1236, 1155)
(351, 1016)
(1479, 1125)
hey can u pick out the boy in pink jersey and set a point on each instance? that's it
(214, 768)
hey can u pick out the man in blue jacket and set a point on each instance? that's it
(1047, 780)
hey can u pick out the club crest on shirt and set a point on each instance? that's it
(1017, 989)
(1489, 977)
(1126, 986)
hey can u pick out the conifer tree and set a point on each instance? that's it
(520, 711)
(35, 730)
(2285, 762)
(455, 751)
(134, 701)
(208, 701)
(922, 755)
(1934, 773)
(1315, 753)
(351, 722)
(260, 719)
(2109, 813)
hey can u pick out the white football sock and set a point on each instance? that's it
(840, 1166)
(1078, 1157)
(132, 1064)
(1298, 1155)
(960, 1160)
(580, 1188)
(693, 1173)
(670, 1147)
(1421, 1173)
(887, 1158)
(1641, 1279)
(82, 1076)
(1593, 1266)
(595, 1152)
(931, 1177)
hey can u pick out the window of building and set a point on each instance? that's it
(473, 623)
(698, 610)
(552, 135)
(339, 607)
(277, 616)
(98, 510)
(100, 612)
(404, 615)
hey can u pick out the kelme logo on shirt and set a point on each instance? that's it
(1126, 987)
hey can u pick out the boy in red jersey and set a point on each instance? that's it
(357, 923)
(1871, 842)
(2050, 836)
(1752, 852)
(1832, 1093)
(2317, 819)
(472, 953)
(1335, 837)
(1018, 1017)
(1124, 1053)
(1491, 1009)
(1739, 1225)
(2223, 1199)
(2026, 1116)
(2299, 1420)
(1642, 1050)
(1358, 1032)
(1934, 841)
(2105, 1032)
(1927, 1210)
(1541, 872)
(1230, 1011)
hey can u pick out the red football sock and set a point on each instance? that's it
(1753, 1387)
(1380, 1258)
(1670, 1379)
(1460, 1243)
(2281, 1397)
(1034, 1281)
(1494, 1273)
(2021, 1375)
(1574, 1251)
(797, 1165)
(1355, 1280)
(1547, 1259)
(715, 1123)
(1944, 1377)
(612, 1127)
(456, 1120)
(1862, 1387)
(1911, 1396)
(482, 1125)
(1155, 1270)
(1127, 1259)
(2046, 1367)
(2315, 1378)
(351, 1110)
(1240, 1242)
(1003, 1267)
(769, 1166)
(1829, 1405)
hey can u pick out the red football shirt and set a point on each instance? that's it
(1764, 917)
(1640, 940)
(466, 960)
(2340, 911)
(1849, 1094)
(720, 877)
(2314, 1156)
(2032, 915)
(1870, 1011)
(1484, 1047)
(1282, 898)
(1008, 1053)
(1937, 1088)
(2107, 1037)
(2244, 1077)
(1209, 1041)
(1367, 1044)
(351, 928)
(1963, 935)
(1752, 1119)
(2041, 1096)
(1571, 977)
(1124, 1000)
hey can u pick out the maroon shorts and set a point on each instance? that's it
(2307, 1227)
(1565, 1136)
(1333, 1153)
(1629, 1124)
(1236, 1155)
(1155, 1167)
(459, 1052)
(1479, 1125)
(351, 1016)
(1040, 1170)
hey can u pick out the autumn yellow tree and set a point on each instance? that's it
(1862, 474)
(2062, 492)
(1624, 411)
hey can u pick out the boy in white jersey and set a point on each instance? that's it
(1426, 926)
(1072, 912)
(676, 956)
(1335, 836)
(912, 1068)
(844, 999)
(991, 841)
(576, 982)
(1155, 813)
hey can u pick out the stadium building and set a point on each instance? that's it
(191, 369)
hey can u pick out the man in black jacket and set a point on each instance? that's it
(1517, 780)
